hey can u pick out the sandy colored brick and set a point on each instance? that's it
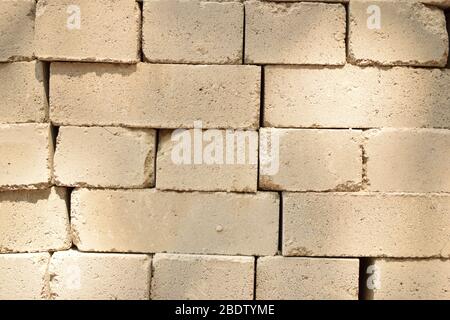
(26, 156)
(187, 163)
(157, 96)
(408, 33)
(98, 276)
(410, 280)
(189, 222)
(197, 277)
(295, 33)
(355, 97)
(22, 92)
(23, 276)
(366, 224)
(105, 157)
(34, 220)
(17, 30)
(86, 30)
(280, 278)
(311, 160)
(408, 160)
(193, 31)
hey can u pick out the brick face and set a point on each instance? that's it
(143, 95)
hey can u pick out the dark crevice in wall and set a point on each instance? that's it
(365, 293)
(261, 97)
(155, 168)
(46, 73)
(447, 17)
(254, 278)
(243, 35)
(280, 225)
(141, 34)
(347, 29)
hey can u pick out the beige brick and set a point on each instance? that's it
(415, 160)
(98, 276)
(108, 30)
(23, 92)
(355, 97)
(411, 279)
(296, 33)
(319, 160)
(105, 157)
(26, 156)
(143, 95)
(213, 171)
(154, 221)
(24, 276)
(17, 30)
(35, 220)
(366, 224)
(409, 33)
(196, 277)
(193, 31)
(280, 278)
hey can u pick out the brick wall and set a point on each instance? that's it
(171, 149)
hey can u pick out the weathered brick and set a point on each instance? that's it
(26, 156)
(96, 276)
(17, 30)
(193, 31)
(22, 92)
(355, 97)
(366, 224)
(196, 277)
(105, 157)
(240, 224)
(24, 276)
(214, 172)
(157, 96)
(410, 280)
(35, 220)
(408, 160)
(108, 30)
(405, 33)
(280, 278)
(319, 160)
(296, 33)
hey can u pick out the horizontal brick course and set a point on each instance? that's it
(108, 30)
(280, 278)
(296, 33)
(35, 220)
(153, 221)
(193, 31)
(97, 276)
(26, 156)
(105, 157)
(196, 277)
(153, 95)
(355, 97)
(366, 224)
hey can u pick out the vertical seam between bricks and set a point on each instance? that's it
(243, 33)
(347, 30)
(141, 31)
(254, 277)
(280, 225)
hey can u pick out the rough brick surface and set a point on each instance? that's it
(154, 221)
(195, 277)
(409, 33)
(105, 157)
(354, 97)
(280, 278)
(367, 224)
(22, 92)
(108, 30)
(193, 31)
(96, 276)
(17, 30)
(408, 160)
(319, 160)
(23, 276)
(412, 280)
(157, 96)
(35, 220)
(297, 33)
(221, 175)
(26, 156)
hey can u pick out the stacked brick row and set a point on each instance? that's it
(351, 182)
